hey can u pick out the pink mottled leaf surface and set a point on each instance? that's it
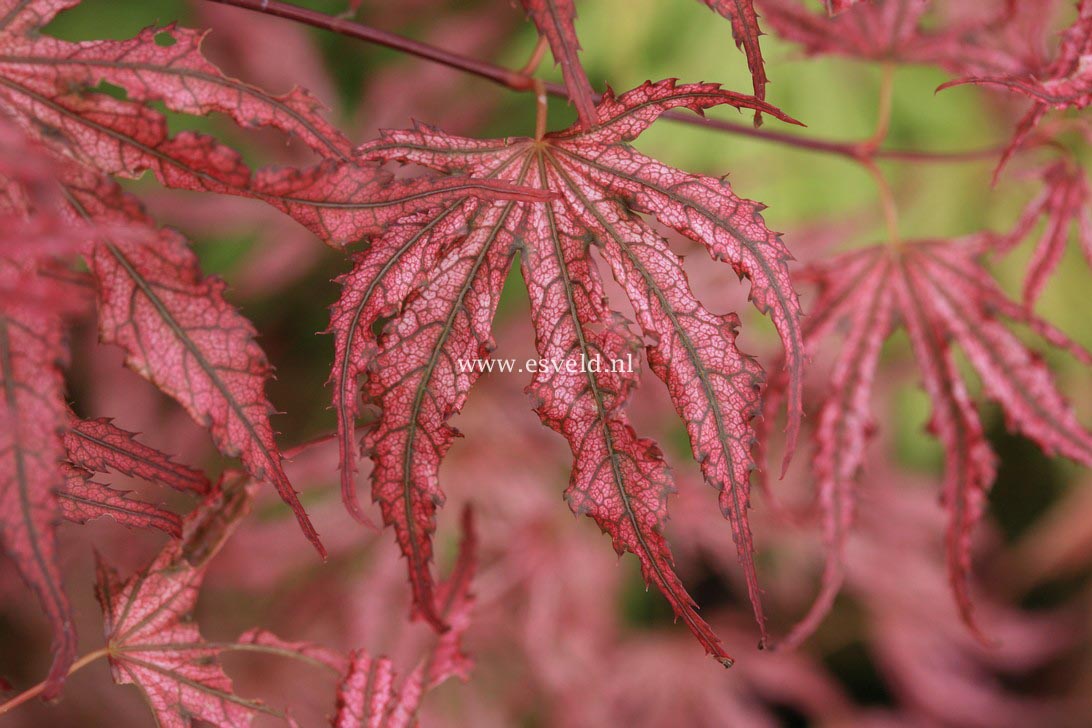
(450, 285)
(101, 446)
(151, 638)
(32, 417)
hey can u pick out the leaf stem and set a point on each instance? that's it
(887, 201)
(883, 110)
(541, 109)
(33, 692)
(523, 82)
(533, 62)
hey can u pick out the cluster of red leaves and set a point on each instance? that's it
(419, 302)
(153, 642)
(177, 329)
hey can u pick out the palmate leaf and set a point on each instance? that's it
(439, 278)
(180, 333)
(943, 296)
(174, 324)
(880, 30)
(151, 639)
(1063, 203)
(1064, 82)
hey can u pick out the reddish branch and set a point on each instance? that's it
(522, 82)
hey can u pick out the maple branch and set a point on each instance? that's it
(483, 69)
(31, 693)
(522, 81)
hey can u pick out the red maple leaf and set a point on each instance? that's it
(1063, 82)
(995, 38)
(745, 31)
(447, 271)
(880, 30)
(151, 639)
(942, 295)
(839, 6)
(32, 417)
(1064, 202)
(368, 694)
(175, 325)
(82, 500)
(100, 446)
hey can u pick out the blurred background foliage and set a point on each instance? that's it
(821, 202)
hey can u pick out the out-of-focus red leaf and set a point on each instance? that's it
(368, 694)
(939, 291)
(1063, 202)
(316, 654)
(450, 288)
(838, 6)
(1065, 82)
(32, 353)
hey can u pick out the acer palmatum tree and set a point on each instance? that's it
(423, 260)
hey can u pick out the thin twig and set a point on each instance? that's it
(521, 82)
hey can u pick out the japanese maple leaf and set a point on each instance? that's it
(369, 695)
(440, 276)
(174, 324)
(880, 30)
(942, 295)
(896, 31)
(180, 333)
(101, 446)
(745, 31)
(32, 417)
(1063, 202)
(81, 499)
(47, 86)
(1062, 83)
(151, 639)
